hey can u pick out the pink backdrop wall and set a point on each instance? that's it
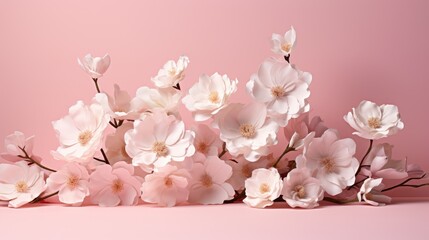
(374, 50)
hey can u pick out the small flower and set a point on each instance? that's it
(263, 187)
(166, 187)
(300, 131)
(242, 170)
(209, 95)
(14, 143)
(382, 165)
(172, 73)
(282, 88)
(208, 183)
(206, 142)
(331, 160)
(149, 99)
(81, 132)
(115, 144)
(283, 45)
(302, 190)
(374, 122)
(20, 183)
(71, 182)
(95, 66)
(114, 185)
(370, 193)
(119, 106)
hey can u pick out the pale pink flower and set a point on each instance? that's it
(171, 73)
(248, 131)
(168, 186)
(207, 97)
(283, 45)
(119, 106)
(206, 142)
(382, 165)
(20, 183)
(115, 144)
(208, 184)
(81, 132)
(370, 192)
(263, 187)
(300, 189)
(157, 140)
(242, 170)
(150, 99)
(94, 66)
(300, 131)
(114, 185)
(282, 88)
(331, 160)
(374, 122)
(14, 143)
(71, 182)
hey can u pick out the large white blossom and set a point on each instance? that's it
(171, 73)
(263, 187)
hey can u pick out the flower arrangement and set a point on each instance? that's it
(153, 157)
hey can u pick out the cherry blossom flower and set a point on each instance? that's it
(206, 142)
(114, 185)
(300, 189)
(119, 106)
(81, 132)
(382, 165)
(14, 143)
(370, 192)
(166, 187)
(171, 73)
(242, 170)
(149, 99)
(71, 182)
(283, 45)
(208, 184)
(263, 187)
(248, 131)
(282, 88)
(300, 131)
(374, 122)
(94, 66)
(331, 160)
(20, 183)
(209, 95)
(115, 144)
(157, 140)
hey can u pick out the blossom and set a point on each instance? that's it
(371, 194)
(331, 160)
(209, 95)
(167, 186)
(149, 99)
(242, 170)
(263, 187)
(248, 131)
(208, 184)
(20, 183)
(206, 142)
(157, 140)
(71, 182)
(282, 88)
(300, 131)
(284, 44)
(94, 66)
(115, 144)
(14, 145)
(120, 106)
(171, 73)
(114, 185)
(374, 122)
(81, 132)
(300, 189)
(382, 165)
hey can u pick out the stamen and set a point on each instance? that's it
(247, 130)
(85, 137)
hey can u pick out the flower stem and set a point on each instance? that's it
(403, 184)
(287, 58)
(288, 149)
(31, 160)
(223, 150)
(338, 201)
(238, 196)
(106, 160)
(177, 86)
(38, 199)
(361, 162)
(96, 84)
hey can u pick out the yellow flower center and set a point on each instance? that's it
(160, 149)
(21, 187)
(172, 72)
(214, 97)
(72, 181)
(277, 91)
(300, 191)
(374, 123)
(206, 180)
(286, 47)
(117, 186)
(328, 165)
(264, 188)
(85, 137)
(247, 130)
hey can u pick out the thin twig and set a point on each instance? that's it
(361, 162)
(288, 149)
(31, 160)
(402, 184)
(106, 160)
(38, 199)
(223, 150)
(96, 84)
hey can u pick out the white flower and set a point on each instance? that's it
(166, 100)
(14, 145)
(282, 88)
(208, 183)
(81, 132)
(115, 144)
(248, 131)
(119, 106)
(283, 44)
(370, 193)
(242, 170)
(331, 160)
(263, 187)
(95, 66)
(302, 190)
(171, 73)
(209, 95)
(374, 122)
(20, 183)
(157, 140)
(300, 131)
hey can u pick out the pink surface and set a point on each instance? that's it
(405, 219)
(374, 50)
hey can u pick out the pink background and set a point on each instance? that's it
(374, 50)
